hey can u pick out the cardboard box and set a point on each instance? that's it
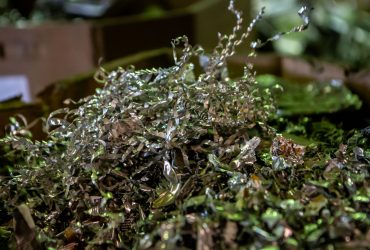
(200, 21)
(46, 53)
(54, 51)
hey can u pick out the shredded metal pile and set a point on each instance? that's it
(165, 159)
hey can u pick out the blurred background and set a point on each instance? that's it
(49, 49)
(42, 41)
(339, 30)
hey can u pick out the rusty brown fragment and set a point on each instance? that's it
(291, 152)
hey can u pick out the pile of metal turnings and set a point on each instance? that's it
(166, 159)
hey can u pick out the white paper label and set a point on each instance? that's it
(13, 86)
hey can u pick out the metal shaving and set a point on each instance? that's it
(167, 159)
